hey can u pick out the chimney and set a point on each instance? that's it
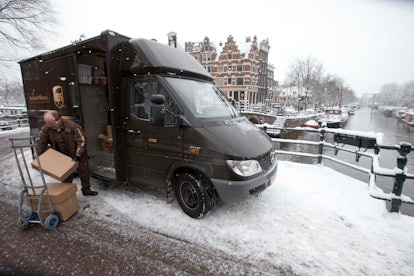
(172, 39)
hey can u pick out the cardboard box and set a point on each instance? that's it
(107, 142)
(109, 131)
(56, 164)
(63, 198)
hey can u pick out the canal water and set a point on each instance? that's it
(365, 119)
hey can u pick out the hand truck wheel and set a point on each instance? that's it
(22, 223)
(51, 222)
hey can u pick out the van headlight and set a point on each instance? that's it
(244, 167)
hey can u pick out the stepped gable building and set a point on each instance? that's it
(205, 52)
(265, 83)
(240, 71)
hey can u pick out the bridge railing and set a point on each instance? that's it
(361, 142)
(12, 124)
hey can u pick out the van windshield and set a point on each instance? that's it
(202, 98)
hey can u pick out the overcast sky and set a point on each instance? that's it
(366, 42)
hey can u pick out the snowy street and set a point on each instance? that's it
(311, 221)
(98, 246)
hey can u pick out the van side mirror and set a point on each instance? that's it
(157, 110)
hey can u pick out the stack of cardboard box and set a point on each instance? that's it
(62, 195)
(63, 198)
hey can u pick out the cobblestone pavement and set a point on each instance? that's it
(87, 245)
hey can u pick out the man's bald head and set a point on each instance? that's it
(52, 119)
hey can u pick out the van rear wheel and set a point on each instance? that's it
(194, 195)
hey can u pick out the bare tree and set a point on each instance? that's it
(314, 88)
(305, 74)
(408, 93)
(389, 93)
(23, 25)
(333, 86)
(348, 96)
(396, 94)
(11, 93)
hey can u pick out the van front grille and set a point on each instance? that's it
(266, 162)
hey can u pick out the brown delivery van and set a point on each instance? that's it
(152, 117)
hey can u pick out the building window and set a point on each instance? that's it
(205, 47)
(220, 81)
(220, 69)
(239, 68)
(239, 81)
(236, 96)
(206, 57)
(228, 81)
(230, 68)
(229, 56)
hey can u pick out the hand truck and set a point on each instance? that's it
(41, 207)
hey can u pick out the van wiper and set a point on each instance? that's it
(223, 98)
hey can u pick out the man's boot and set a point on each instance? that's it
(88, 192)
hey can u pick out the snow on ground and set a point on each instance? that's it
(314, 219)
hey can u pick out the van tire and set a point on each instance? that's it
(194, 195)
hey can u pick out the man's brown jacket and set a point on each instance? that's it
(69, 140)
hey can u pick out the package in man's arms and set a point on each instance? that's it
(55, 164)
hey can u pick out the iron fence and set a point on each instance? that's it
(361, 142)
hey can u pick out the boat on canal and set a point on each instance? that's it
(409, 118)
(334, 118)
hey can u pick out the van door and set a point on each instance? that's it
(150, 150)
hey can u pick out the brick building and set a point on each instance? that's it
(241, 71)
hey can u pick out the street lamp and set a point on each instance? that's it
(306, 98)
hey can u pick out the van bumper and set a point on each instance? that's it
(233, 191)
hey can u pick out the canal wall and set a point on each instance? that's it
(287, 122)
(259, 118)
(292, 123)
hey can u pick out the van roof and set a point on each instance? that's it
(154, 57)
(94, 43)
(137, 55)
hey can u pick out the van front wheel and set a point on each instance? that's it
(194, 195)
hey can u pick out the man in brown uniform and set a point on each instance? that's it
(68, 138)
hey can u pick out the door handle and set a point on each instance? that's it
(134, 131)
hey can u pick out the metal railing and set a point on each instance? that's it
(361, 141)
(12, 124)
